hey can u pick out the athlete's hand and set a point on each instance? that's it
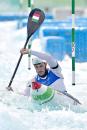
(24, 51)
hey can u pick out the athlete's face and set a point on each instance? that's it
(40, 68)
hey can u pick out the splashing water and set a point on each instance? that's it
(16, 111)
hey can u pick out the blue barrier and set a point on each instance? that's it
(66, 33)
(48, 31)
(49, 16)
(79, 21)
(81, 44)
(57, 23)
(12, 17)
(55, 46)
(56, 31)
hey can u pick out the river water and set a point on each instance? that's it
(16, 111)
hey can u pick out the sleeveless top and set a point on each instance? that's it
(48, 80)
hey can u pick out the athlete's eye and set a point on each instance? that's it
(41, 66)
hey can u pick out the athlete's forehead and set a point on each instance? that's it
(40, 64)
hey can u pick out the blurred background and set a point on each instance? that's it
(15, 5)
(56, 31)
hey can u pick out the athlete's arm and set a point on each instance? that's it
(48, 58)
(44, 56)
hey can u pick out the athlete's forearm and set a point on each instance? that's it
(44, 56)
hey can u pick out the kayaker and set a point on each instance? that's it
(49, 76)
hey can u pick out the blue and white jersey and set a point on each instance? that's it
(48, 79)
(52, 79)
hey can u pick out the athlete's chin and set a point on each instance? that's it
(41, 73)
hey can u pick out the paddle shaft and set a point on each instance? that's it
(35, 19)
(18, 62)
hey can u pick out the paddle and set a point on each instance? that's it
(35, 19)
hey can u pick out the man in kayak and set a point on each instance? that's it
(49, 76)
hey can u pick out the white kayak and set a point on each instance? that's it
(40, 98)
(42, 94)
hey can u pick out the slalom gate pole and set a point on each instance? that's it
(30, 6)
(73, 42)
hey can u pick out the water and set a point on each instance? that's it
(16, 111)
